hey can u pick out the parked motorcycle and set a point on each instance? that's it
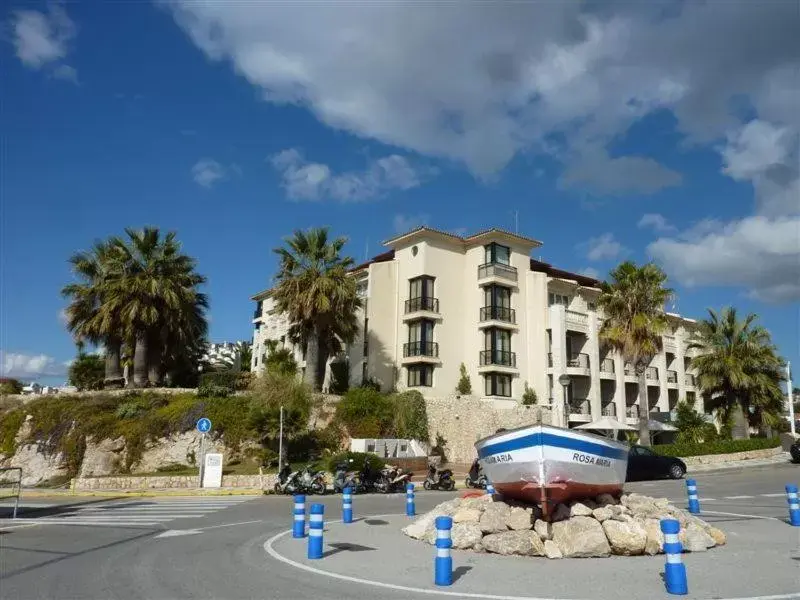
(366, 481)
(312, 482)
(476, 478)
(392, 479)
(439, 479)
(288, 481)
(342, 478)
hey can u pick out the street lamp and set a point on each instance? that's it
(564, 380)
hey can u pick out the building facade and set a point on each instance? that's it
(223, 355)
(436, 301)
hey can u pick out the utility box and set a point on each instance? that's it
(212, 471)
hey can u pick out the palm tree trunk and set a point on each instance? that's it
(741, 427)
(113, 378)
(311, 373)
(154, 376)
(644, 410)
(140, 361)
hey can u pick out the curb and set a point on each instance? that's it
(142, 493)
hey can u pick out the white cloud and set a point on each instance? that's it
(603, 247)
(598, 172)
(207, 172)
(590, 272)
(658, 222)
(30, 366)
(405, 223)
(305, 180)
(42, 40)
(757, 253)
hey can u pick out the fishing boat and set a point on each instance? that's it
(546, 465)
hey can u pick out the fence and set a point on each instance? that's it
(15, 486)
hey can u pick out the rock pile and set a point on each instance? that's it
(628, 526)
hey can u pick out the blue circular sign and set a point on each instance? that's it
(204, 425)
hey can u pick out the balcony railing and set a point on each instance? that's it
(422, 303)
(609, 410)
(498, 313)
(607, 365)
(690, 380)
(577, 318)
(502, 358)
(421, 349)
(629, 370)
(651, 373)
(579, 407)
(579, 361)
(672, 377)
(498, 270)
(632, 412)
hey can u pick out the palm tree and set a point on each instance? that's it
(155, 292)
(88, 316)
(739, 370)
(633, 307)
(314, 290)
(245, 355)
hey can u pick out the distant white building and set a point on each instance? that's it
(224, 354)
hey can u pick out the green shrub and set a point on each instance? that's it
(213, 391)
(9, 385)
(172, 468)
(716, 447)
(464, 384)
(281, 362)
(10, 422)
(244, 379)
(359, 458)
(371, 384)
(365, 413)
(410, 416)
(226, 379)
(87, 372)
(440, 447)
(529, 397)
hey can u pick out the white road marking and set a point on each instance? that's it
(738, 497)
(268, 548)
(773, 495)
(730, 514)
(180, 532)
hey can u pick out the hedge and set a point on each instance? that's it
(219, 379)
(717, 447)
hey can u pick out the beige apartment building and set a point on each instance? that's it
(435, 301)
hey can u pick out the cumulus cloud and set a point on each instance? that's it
(42, 40)
(757, 253)
(601, 174)
(603, 247)
(305, 180)
(30, 365)
(657, 222)
(404, 223)
(207, 172)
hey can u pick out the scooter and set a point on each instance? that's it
(476, 478)
(392, 479)
(439, 479)
(288, 481)
(343, 478)
(312, 481)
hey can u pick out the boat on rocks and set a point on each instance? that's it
(546, 465)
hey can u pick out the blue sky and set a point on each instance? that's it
(623, 131)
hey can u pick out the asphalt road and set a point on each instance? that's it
(119, 557)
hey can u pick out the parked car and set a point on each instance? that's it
(794, 451)
(645, 464)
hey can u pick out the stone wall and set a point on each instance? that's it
(131, 483)
(713, 459)
(464, 420)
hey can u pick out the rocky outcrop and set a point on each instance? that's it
(37, 464)
(591, 528)
(102, 458)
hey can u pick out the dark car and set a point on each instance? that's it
(794, 452)
(645, 464)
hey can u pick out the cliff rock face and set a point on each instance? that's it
(183, 448)
(37, 465)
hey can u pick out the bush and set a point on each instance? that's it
(9, 385)
(244, 379)
(87, 372)
(716, 447)
(410, 416)
(371, 384)
(464, 384)
(440, 447)
(376, 463)
(172, 468)
(10, 422)
(213, 391)
(529, 396)
(268, 393)
(281, 362)
(365, 413)
(220, 379)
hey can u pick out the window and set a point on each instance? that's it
(557, 299)
(420, 331)
(420, 376)
(255, 364)
(497, 339)
(592, 306)
(495, 253)
(366, 337)
(497, 295)
(498, 384)
(420, 287)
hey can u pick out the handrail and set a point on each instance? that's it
(17, 484)
(499, 269)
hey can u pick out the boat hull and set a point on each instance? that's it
(547, 465)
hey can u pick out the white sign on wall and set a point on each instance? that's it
(212, 471)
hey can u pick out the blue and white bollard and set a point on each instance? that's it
(694, 501)
(794, 505)
(315, 526)
(347, 505)
(299, 523)
(490, 488)
(411, 509)
(443, 567)
(675, 570)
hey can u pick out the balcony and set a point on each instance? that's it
(651, 375)
(578, 364)
(497, 315)
(577, 321)
(607, 369)
(689, 380)
(580, 410)
(632, 414)
(420, 352)
(609, 409)
(672, 379)
(496, 271)
(670, 345)
(421, 306)
(630, 374)
(497, 360)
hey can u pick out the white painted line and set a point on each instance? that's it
(773, 495)
(729, 514)
(116, 523)
(182, 532)
(268, 548)
(738, 497)
(112, 518)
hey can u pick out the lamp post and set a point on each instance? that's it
(791, 397)
(280, 443)
(564, 380)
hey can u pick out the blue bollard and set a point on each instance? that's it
(347, 505)
(443, 567)
(299, 523)
(675, 570)
(315, 526)
(411, 509)
(794, 505)
(490, 488)
(694, 501)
